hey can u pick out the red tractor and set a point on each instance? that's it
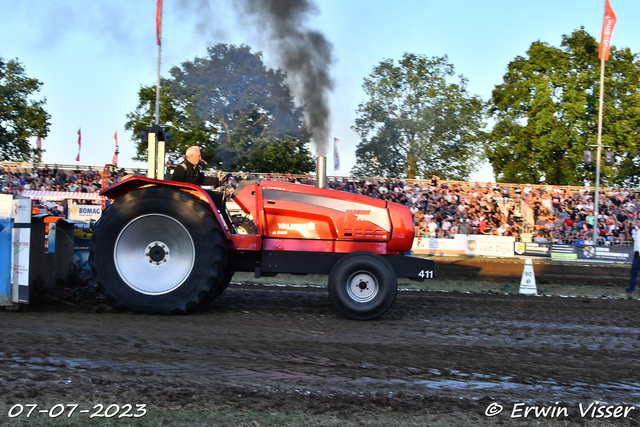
(166, 247)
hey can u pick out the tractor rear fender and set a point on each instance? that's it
(134, 182)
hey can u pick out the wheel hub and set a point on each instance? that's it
(362, 286)
(157, 253)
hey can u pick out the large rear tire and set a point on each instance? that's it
(158, 250)
(216, 292)
(363, 285)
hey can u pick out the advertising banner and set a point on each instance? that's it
(608, 23)
(84, 212)
(568, 252)
(533, 249)
(21, 248)
(499, 246)
(474, 245)
(429, 246)
(606, 253)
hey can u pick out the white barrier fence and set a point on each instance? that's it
(507, 247)
(473, 245)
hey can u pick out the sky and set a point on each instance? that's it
(92, 57)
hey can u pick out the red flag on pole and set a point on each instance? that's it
(39, 145)
(158, 21)
(115, 154)
(79, 145)
(607, 29)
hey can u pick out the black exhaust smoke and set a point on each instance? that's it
(306, 56)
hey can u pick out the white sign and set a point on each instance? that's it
(499, 246)
(20, 250)
(21, 213)
(473, 245)
(85, 212)
(425, 245)
(528, 281)
(6, 205)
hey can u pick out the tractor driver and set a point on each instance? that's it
(190, 170)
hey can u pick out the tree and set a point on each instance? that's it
(546, 114)
(177, 116)
(239, 113)
(21, 118)
(416, 122)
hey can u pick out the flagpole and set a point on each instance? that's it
(608, 23)
(158, 89)
(159, 32)
(599, 151)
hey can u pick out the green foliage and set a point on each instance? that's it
(238, 112)
(417, 122)
(280, 155)
(546, 113)
(177, 116)
(21, 118)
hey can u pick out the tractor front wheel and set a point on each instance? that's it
(363, 285)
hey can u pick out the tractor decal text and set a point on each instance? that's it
(294, 226)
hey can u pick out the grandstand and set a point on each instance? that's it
(441, 209)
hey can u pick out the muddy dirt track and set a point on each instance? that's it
(434, 355)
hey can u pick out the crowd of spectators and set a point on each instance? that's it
(444, 209)
(567, 216)
(440, 209)
(45, 178)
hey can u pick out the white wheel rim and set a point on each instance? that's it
(362, 286)
(154, 254)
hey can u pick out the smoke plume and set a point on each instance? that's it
(305, 55)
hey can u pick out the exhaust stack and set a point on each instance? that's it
(157, 140)
(321, 172)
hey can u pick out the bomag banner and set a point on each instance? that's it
(85, 212)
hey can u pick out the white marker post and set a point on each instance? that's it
(528, 281)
